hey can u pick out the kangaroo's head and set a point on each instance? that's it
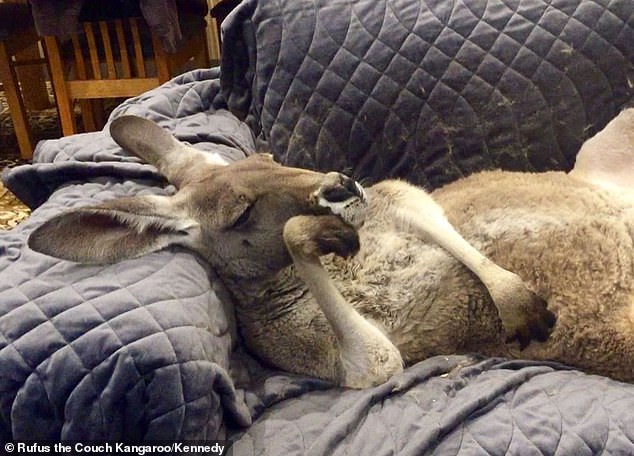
(233, 215)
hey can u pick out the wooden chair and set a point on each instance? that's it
(19, 50)
(117, 58)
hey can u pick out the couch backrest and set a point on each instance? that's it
(428, 90)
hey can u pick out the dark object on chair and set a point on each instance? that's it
(60, 18)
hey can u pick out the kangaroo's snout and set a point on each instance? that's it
(342, 196)
(342, 188)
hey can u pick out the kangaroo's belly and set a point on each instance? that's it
(570, 243)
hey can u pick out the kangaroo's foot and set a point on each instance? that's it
(524, 315)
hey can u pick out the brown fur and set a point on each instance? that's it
(272, 234)
(570, 241)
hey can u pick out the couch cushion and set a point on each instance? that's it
(428, 90)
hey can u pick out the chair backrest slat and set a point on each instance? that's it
(80, 63)
(118, 58)
(107, 46)
(138, 51)
(123, 49)
(92, 50)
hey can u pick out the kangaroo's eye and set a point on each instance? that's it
(243, 219)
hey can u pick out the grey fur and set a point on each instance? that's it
(353, 289)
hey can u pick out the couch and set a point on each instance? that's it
(429, 91)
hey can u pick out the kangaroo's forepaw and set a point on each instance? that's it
(343, 197)
(318, 235)
(525, 316)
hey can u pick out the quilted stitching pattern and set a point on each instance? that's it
(489, 408)
(109, 355)
(137, 350)
(125, 344)
(432, 90)
(428, 90)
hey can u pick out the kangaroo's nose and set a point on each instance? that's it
(342, 196)
(338, 187)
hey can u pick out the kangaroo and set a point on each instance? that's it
(350, 284)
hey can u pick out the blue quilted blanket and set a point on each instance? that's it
(134, 351)
(428, 90)
(146, 350)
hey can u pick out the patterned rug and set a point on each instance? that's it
(12, 211)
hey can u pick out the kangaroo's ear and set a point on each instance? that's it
(607, 159)
(116, 230)
(177, 161)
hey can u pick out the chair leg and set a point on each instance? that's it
(99, 113)
(62, 97)
(88, 115)
(15, 102)
(32, 78)
(161, 61)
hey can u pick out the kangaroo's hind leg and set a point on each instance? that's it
(524, 315)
